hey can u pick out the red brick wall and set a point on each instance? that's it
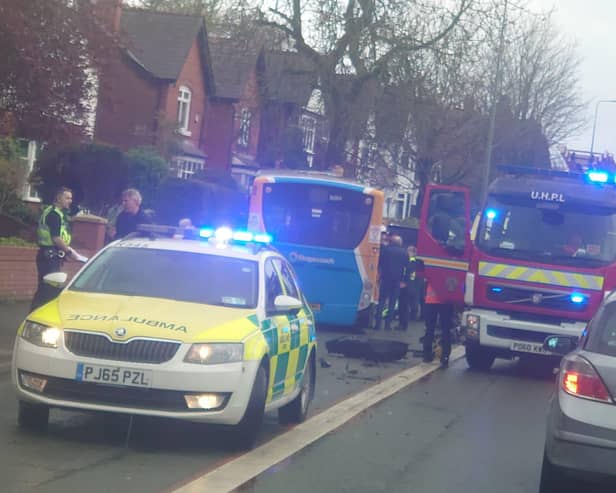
(128, 104)
(192, 77)
(18, 271)
(218, 133)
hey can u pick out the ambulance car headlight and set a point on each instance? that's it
(41, 335)
(214, 354)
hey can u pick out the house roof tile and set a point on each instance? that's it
(159, 41)
(232, 64)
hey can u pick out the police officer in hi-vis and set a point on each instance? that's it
(54, 239)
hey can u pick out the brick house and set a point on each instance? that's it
(159, 85)
(234, 121)
(292, 108)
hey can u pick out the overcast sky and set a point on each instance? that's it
(592, 23)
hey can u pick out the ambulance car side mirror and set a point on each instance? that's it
(56, 279)
(285, 304)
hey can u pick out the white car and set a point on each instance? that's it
(213, 330)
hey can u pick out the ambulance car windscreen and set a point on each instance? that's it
(576, 235)
(170, 274)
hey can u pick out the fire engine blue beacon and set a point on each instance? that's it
(491, 213)
(577, 298)
(598, 176)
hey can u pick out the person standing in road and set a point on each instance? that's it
(408, 304)
(441, 313)
(54, 240)
(393, 264)
(131, 215)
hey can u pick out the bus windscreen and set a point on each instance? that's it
(316, 215)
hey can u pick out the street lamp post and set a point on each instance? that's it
(594, 125)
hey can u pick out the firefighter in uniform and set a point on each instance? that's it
(441, 313)
(54, 239)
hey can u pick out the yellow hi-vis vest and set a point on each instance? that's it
(43, 233)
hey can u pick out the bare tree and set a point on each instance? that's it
(541, 78)
(359, 37)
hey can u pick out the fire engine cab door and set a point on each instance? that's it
(443, 240)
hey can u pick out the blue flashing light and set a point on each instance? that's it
(491, 213)
(206, 233)
(262, 238)
(497, 289)
(577, 298)
(598, 176)
(224, 235)
(242, 236)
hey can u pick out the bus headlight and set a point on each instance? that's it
(214, 354)
(41, 335)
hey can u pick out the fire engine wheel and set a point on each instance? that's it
(479, 358)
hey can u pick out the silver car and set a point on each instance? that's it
(581, 428)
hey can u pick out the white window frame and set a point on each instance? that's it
(187, 166)
(243, 137)
(184, 100)
(29, 193)
(308, 125)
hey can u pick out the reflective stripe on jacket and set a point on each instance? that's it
(44, 235)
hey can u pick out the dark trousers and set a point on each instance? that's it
(408, 303)
(441, 313)
(47, 261)
(389, 291)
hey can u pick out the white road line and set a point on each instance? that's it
(236, 472)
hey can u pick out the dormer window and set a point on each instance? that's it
(184, 97)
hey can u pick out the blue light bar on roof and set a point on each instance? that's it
(225, 235)
(598, 176)
(206, 232)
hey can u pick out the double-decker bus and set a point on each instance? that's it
(329, 228)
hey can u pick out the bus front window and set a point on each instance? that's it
(566, 235)
(316, 215)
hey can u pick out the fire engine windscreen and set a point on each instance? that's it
(576, 235)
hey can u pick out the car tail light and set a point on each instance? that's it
(579, 378)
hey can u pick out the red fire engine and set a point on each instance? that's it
(538, 260)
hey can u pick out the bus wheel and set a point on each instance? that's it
(365, 317)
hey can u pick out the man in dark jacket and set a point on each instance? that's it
(131, 214)
(393, 266)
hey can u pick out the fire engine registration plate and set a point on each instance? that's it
(113, 375)
(528, 347)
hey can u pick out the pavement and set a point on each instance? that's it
(12, 314)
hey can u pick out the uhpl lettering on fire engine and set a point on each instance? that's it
(547, 196)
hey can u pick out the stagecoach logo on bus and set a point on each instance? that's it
(298, 257)
(547, 196)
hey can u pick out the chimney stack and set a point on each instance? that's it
(109, 12)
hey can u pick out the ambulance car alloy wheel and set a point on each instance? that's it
(297, 410)
(479, 358)
(244, 434)
(33, 416)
